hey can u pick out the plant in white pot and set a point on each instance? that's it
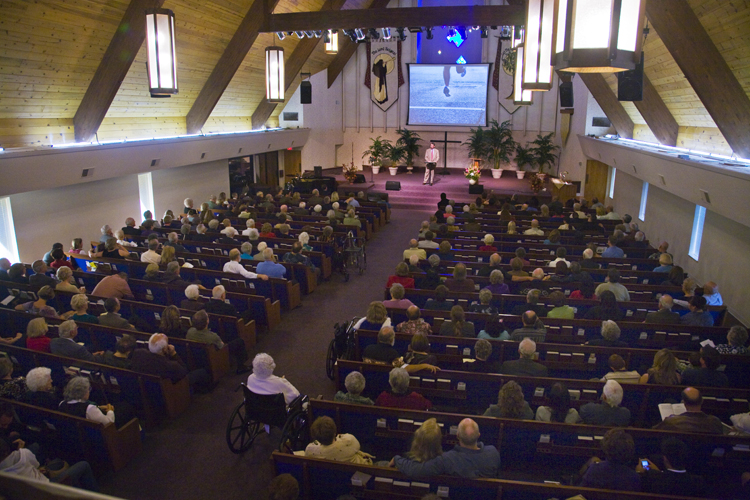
(544, 152)
(524, 156)
(476, 145)
(408, 141)
(393, 155)
(499, 146)
(377, 153)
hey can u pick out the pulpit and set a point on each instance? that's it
(563, 190)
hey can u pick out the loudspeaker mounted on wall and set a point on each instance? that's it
(305, 92)
(630, 83)
(318, 171)
(392, 185)
(566, 95)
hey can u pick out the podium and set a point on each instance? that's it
(563, 190)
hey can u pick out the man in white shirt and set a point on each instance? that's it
(150, 256)
(613, 285)
(234, 266)
(431, 157)
(534, 229)
(263, 381)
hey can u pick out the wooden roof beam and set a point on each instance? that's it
(607, 99)
(347, 48)
(112, 70)
(704, 67)
(658, 117)
(230, 61)
(476, 15)
(292, 66)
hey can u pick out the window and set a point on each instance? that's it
(612, 173)
(695, 238)
(644, 199)
(8, 243)
(146, 192)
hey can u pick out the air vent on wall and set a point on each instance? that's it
(600, 121)
(290, 116)
(203, 155)
(87, 172)
(663, 180)
(155, 162)
(706, 198)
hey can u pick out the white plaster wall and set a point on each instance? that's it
(325, 127)
(44, 217)
(198, 182)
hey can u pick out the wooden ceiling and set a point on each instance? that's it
(52, 48)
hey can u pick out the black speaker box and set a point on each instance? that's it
(305, 92)
(630, 83)
(318, 172)
(566, 95)
(393, 185)
(476, 189)
(360, 179)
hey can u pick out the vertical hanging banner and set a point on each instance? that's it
(384, 75)
(502, 78)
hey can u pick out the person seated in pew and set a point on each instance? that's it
(65, 344)
(664, 315)
(440, 302)
(698, 316)
(494, 329)
(67, 281)
(23, 462)
(13, 388)
(414, 250)
(525, 366)
(585, 289)
(459, 282)
(59, 259)
(674, 478)
(445, 251)
(121, 356)
(693, 419)
(613, 285)
(707, 375)
(419, 351)
(431, 278)
(560, 255)
(521, 254)
(561, 274)
(534, 229)
(510, 403)
(330, 445)
(414, 323)
(620, 371)
(234, 267)
(263, 381)
(376, 317)
(497, 284)
(532, 328)
(457, 326)
(167, 255)
(736, 340)
(115, 285)
(79, 314)
(162, 360)
(493, 265)
(608, 412)
(414, 265)
(481, 363)
(112, 316)
(427, 442)
(711, 294)
(675, 277)
(401, 276)
(397, 300)
(537, 276)
(152, 273)
(470, 458)
(560, 310)
(260, 248)
(399, 395)
(36, 335)
(217, 303)
(427, 242)
(17, 274)
(516, 269)
(269, 267)
(665, 264)
(172, 276)
(532, 304)
(199, 332)
(610, 336)
(39, 307)
(295, 256)
(40, 391)
(613, 473)
(663, 371)
(355, 385)
(151, 255)
(76, 402)
(559, 409)
(488, 244)
(191, 302)
(483, 304)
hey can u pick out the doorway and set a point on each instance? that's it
(292, 163)
(596, 180)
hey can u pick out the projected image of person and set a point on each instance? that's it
(431, 157)
(461, 70)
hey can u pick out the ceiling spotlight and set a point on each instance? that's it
(351, 35)
(386, 33)
(300, 34)
(415, 29)
(506, 33)
(310, 34)
(359, 32)
(484, 31)
(318, 33)
(401, 34)
(281, 35)
(327, 37)
(374, 35)
(429, 33)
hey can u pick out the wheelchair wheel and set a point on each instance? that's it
(331, 359)
(295, 435)
(242, 431)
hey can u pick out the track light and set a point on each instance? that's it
(310, 34)
(359, 32)
(318, 33)
(506, 33)
(386, 33)
(484, 32)
(374, 35)
(300, 34)
(415, 29)
(351, 35)
(401, 34)
(281, 35)
(429, 33)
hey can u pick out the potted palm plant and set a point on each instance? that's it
(499, 146)
(476, 145)
(393, 155)
(408, 141)
(377, 153)
(544, 152)
(524, 156)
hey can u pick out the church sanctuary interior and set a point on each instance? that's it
(374, 249)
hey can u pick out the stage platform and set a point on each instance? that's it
(414, 195)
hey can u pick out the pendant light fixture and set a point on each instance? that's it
(521, 97)
(162, 57)
(274, 74)
(538, 44)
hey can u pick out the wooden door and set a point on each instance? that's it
(268, 169)
(596, 180)
(292, 163)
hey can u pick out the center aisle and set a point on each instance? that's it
(189, 458)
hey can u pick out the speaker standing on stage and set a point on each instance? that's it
(431, 157)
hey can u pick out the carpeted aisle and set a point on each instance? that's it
(189, 458)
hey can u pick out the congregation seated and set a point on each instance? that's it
(269, 267)
(693, 419)
(532, 304)
(40, 390)
(664, 315)
(65, 344)
(493, 265)
(36, 335)
(414, 323)
(494, 329)
(401, 276)
(112, 317)
(39, 307)
(263, 381)
(191, 302)
(328, 444)
(525, 366)
(457, 326)
(419, 351)
(510, 403)
(613, 472)
(459, 282)
(608, 412)
(399, 396)
(698, 316)
(613, 285)
(76, 402)
(217, 305)
(439, 301)
(497, 284)
(120, 357)
(559, 409)
(66, 281)
(162, 360)
(606, 310)
(80, 305)
(113, 286)
(170, 323)
(532, 328)
(199, 332)
(610, 336)
(397, 300)
(674, 479)
(10, 387)
(619, 371)
(560, 310)
(414, 249)
(234, 267)
(375, 319)
(355, 385)
(707, 375)
(483, 305)
(736, 340)
(663, 371)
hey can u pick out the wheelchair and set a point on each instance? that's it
(250, 417)
(341, 346)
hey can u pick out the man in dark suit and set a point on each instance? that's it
(532, 304)
(216, 304)
(39, 278)
(112, 317)
(200, 234)
(608, 412)
(707, 375)
(664, 314)
(674, 478)
(129, 229)
(494, 263)
(525, 366)
(65, 344)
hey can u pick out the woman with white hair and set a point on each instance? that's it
(76, 402)
(610, 336)
(355, 384)
(263, 381)
(304, 238)
(40, 390)
(250, 225)
(65, 276)
(191, 302)
(36, 335)
(247, 251)
(80, 305)
(261, 246)
(120, 235)
(489, 244)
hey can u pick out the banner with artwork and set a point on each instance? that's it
(502, 78)
(384, 75)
